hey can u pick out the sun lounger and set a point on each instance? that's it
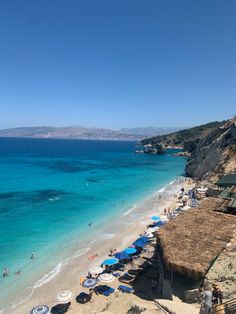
(104, 290)
(125, 289)
(126, 278)
(134, 272)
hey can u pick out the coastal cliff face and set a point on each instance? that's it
(213, 155)
(212, 148)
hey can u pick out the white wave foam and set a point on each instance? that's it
(81, 252)
(172, 182)
(48, 277)
(54, 199)
(161, 190)
(130, 210)
(107, 235)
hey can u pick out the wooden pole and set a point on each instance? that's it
(171, 278)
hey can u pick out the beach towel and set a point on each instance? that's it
(125, 289)
(108, 292)
(92, 257)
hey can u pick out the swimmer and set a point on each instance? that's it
(90, 224)
(32, 256)
(5, 272)
(17, 273)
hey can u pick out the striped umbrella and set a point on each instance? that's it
(89, 283)
(106, 277)
(95, 270)
(64, 297)
(40, 309)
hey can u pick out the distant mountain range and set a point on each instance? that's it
(77, 132)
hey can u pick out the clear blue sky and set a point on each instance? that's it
(117, 63)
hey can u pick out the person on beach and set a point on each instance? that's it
(5, 272)
(81, 280)
(217, 295)
(207, 300)
(92, 257)
(112, 252)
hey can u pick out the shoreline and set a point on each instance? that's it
(117, 235)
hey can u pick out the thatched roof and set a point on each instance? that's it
(192, 241)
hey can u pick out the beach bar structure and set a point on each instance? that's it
(227, 181)
(192, 241)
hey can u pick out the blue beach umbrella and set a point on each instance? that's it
(155, 218)
(40, 309)
(110, 261)
(89, 283)
(143, 239)
(139, 243)
(159, 223)
(121, 255)
(130, 250)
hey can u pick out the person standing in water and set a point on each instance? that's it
(5, 272)
(32, 255)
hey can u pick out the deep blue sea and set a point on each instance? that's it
(50, 190)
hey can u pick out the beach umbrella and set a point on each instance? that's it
(95, 270)
(139, 262)
(159, 223)
(110, 261)
(155, 218)
(64, 297)
(89, 283)
(121, 255)
(143, 239)
(40, 309)
(130, 250)
(139, 243)
(106, 277)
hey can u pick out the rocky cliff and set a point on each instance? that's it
(212, 148)
(213, 155)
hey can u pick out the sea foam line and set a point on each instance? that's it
(161, 190)
(48, 277)
(130, 210)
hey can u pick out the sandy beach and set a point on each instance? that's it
(119, 234)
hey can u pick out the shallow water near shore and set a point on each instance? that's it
(50, 190)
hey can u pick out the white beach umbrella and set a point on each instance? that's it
(106, 277)
(64, 296)
(95, 269)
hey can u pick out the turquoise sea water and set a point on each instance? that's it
(50, 190)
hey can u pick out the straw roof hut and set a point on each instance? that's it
(192, 241)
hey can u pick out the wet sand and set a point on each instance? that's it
(123, 231)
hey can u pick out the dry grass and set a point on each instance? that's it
(192, 241)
